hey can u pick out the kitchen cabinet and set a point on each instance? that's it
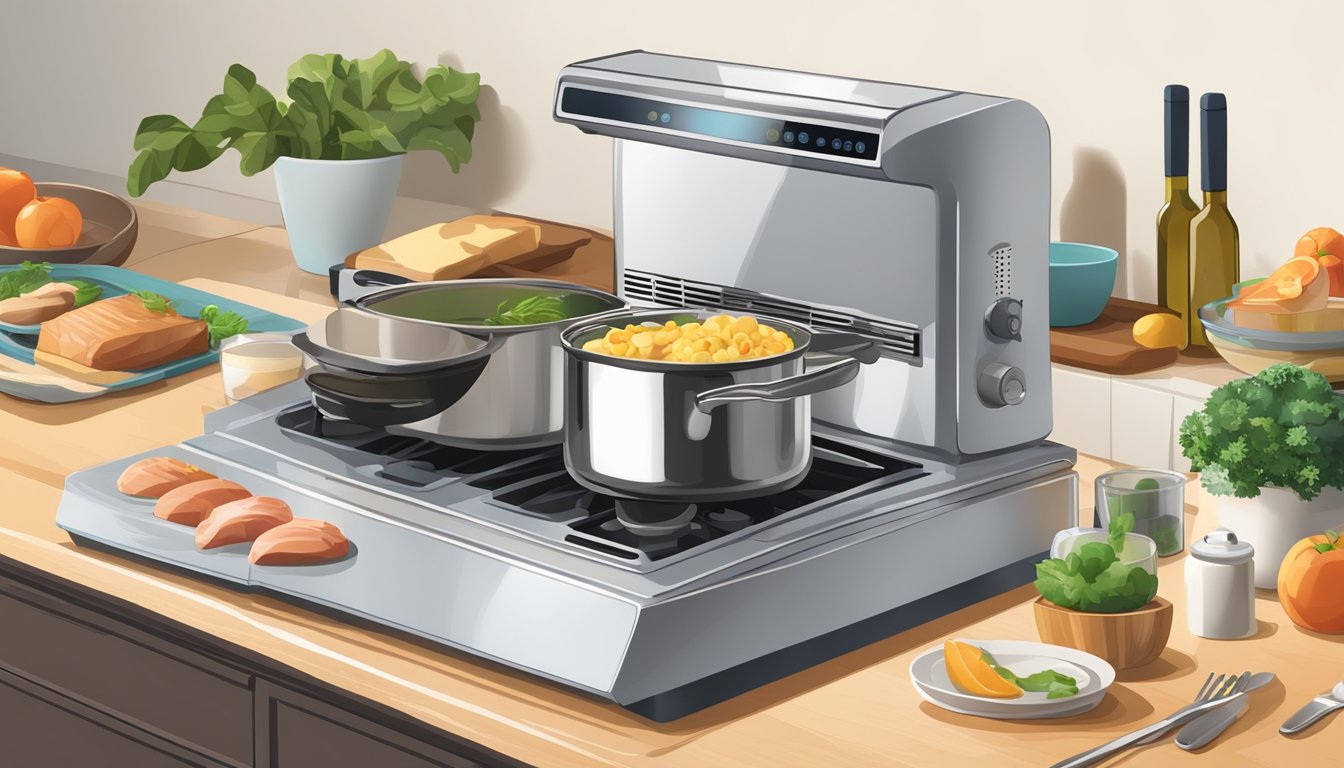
(86, 679)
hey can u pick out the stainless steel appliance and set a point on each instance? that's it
(920, 222)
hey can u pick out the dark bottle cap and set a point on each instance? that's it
(1176, 130)
(1213, 138)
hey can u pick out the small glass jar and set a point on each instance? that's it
(252, 363)
(1155, 497)
(1137, 549)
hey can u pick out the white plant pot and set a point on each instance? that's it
(1276, 520)
(333, 208)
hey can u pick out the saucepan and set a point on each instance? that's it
(425, 359)
(683, 432)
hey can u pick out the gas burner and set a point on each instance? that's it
(657, 519)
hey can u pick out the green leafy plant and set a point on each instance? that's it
(26, 277)
(339, 109)
(1282, 427)
(1055, 685)
(1093, 579)
(534, 309)
(222, 323)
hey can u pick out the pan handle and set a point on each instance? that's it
(820, 379)
(354, 284)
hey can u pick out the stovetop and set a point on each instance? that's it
(534, 484)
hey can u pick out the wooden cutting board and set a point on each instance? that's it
(1107, 344)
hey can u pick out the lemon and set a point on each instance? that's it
(1160, 330)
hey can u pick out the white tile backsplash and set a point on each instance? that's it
(1140, 425)
(1082, 410)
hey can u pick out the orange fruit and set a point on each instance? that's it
(48, 222)
(16, 191)
(1309, 585)
(1292, 287)
(1327, 246)
(971, 674)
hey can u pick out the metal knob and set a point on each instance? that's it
(1002, 385)
(1003, 319)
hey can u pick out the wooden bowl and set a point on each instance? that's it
(1125, 640)
(110, 229)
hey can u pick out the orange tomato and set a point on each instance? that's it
(16, 191)
(1327, 246)
(48, 222)
(1311, 582)
(1292, 287)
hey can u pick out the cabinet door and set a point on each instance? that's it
(40, 729)
(296, 731)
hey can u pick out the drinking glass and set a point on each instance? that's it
(255, 362)
(1155, 497)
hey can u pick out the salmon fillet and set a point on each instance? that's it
(190, 504)
(120, 334)
(157, 475)
(242, 520)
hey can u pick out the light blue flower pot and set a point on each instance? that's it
(333, 208)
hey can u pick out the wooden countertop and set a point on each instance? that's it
(857, 710)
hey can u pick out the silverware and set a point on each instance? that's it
(1211, 725)
(1215, 693)
(1314, 710)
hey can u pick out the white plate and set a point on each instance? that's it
(929, 674)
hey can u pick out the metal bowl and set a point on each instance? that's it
(110, 229)
(1318, 347)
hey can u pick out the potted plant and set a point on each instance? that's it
(337, 145)
(1101, 597)
(1271, 448)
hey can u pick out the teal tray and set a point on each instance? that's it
(117, 282)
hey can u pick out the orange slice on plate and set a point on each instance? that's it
(1292, 287)
(971, 674)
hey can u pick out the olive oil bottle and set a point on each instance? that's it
(1215, 255)
(1173, 218)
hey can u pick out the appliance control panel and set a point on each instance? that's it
(718, 124)
(1002, 384)
(1003, 319)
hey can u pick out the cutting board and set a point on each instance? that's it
(1107, 344)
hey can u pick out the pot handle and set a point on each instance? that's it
(354, 284)
(820, 379)
(854, 345)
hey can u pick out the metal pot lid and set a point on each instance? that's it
(1222, 546)
(470, 305)
(357, 340)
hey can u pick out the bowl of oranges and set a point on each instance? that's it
(62, 223)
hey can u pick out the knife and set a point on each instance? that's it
(1314, 710)
(1211, 725)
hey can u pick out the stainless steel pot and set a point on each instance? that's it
(681, 432)
(517, 400)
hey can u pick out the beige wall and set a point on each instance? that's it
(75, 78)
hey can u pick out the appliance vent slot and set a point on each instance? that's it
(899, 340)
(1003, 269)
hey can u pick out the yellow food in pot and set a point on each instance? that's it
(720, 339)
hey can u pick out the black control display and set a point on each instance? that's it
(816, 139)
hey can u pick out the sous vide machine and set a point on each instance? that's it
(917, 218)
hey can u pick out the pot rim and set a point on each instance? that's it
(499, 330)
(335, 161)
(802, 340)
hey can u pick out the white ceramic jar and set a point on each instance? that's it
(1220, 587)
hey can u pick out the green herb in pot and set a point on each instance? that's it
(1093, 579)
(534, 309)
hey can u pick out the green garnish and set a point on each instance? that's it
(222, 323)
(85, 292)
(25, 278)
(1093, 579)
(1055, 685)
(1115, 532)
(1331, 543)
(153, 301)
(534, 309)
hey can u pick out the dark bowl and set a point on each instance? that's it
(110, 229)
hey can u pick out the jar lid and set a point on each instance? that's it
(1222, 546)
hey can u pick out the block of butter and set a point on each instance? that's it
(452, 250)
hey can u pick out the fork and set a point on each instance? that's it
(1215, 693)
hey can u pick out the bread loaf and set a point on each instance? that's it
(452, 250)
(155, 476)
(302, 541)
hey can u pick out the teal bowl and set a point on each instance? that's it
(1082, 278)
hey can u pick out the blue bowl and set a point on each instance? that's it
(1082, 278)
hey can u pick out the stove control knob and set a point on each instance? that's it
(1003, 319)
(1002, 385)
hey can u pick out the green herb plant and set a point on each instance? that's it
(534, 309)
(1055, 685)
(1093, 579)
(339, 109)
(219, 323)
(1282, 427)
(29, 276)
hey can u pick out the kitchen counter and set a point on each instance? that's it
(856, 710)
